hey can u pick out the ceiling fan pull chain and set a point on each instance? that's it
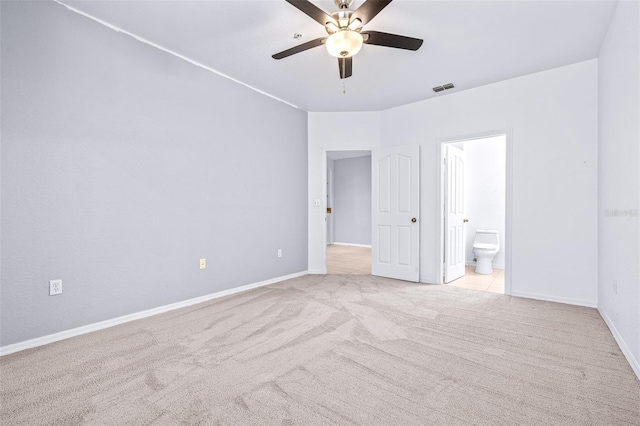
(344, 89)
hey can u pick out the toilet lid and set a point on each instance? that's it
(484, 246)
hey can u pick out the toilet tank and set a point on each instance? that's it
(487, 236)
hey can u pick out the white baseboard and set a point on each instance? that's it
(633, 362)
(548, 298)
(315, 272)
(39, 341)
(354, 245)
(428, 280)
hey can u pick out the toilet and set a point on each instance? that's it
(485, 247)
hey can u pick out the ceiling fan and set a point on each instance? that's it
(345, 32)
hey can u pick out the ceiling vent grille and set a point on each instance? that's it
(443, 87)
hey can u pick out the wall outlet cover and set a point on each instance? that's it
(203, 263)
(55, 287)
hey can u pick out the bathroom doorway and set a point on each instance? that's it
(475, 195)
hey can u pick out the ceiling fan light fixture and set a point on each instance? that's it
(344, 43)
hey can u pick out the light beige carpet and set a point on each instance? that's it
(333, 349)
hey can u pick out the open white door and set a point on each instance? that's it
(454, 235)
(395, 234)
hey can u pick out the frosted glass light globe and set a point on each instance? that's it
(344, 43)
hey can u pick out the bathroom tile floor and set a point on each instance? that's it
(492, 282)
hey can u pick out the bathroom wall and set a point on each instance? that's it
(485, 179)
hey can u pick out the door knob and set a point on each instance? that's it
(413, 219)
(466, 220)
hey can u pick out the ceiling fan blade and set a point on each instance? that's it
(369, 9)
(391, 40)
(300, 48)
(312, 11)
(345, 65)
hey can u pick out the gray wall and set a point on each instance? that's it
(123, 165)
(352, 200)
(619, 179)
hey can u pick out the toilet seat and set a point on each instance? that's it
(484, 246)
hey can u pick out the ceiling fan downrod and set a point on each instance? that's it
(343, 4)
(342, 18)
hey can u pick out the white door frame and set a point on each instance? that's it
(508, 200)
(329, 198)
(323, 202)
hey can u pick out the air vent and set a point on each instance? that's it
(443, 87)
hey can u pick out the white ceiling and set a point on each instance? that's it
(469, 43)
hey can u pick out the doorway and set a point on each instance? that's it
(475, 218)
(348, 215)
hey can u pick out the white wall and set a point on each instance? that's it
(619, 180)
(332, 131)
(352, 200)
(485, 191)
(553, 119)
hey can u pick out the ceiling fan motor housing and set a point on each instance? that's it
(342, 17)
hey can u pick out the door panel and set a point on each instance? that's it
(395, 197)
(404, 245)
(455, 212)
(384, 245)
(384, 185)
(404, 184)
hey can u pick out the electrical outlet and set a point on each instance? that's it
(316, 202)
(203, 263)
(279, 252)
(615, 286)
(55, 287)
